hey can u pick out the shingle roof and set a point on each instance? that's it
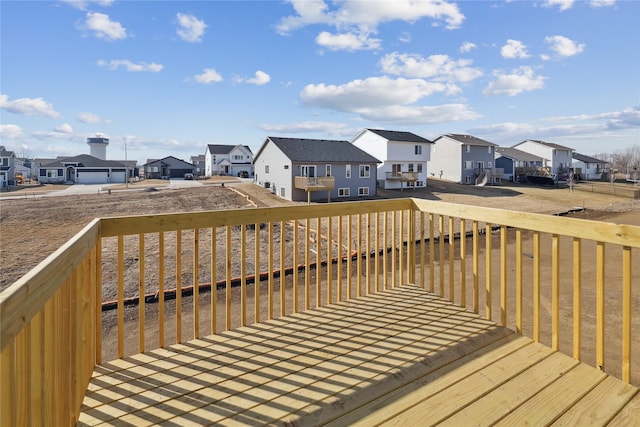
(468, 139)
(220, 148)
(394, 135)
(85, 160)
(514, 153)
(549, 144)
(321, 150)
(587, 159)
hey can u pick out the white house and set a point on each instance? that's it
(556, 157)
(82, 169)
(315, 169)
(464, 159)
(232, 160)
(588, 168)
(405, 156)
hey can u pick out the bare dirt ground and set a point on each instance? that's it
(32, 228)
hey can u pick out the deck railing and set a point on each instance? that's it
(564, 282)
(316, 183)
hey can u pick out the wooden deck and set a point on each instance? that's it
(400, 357)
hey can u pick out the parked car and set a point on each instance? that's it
(188, 176)
(243, 174)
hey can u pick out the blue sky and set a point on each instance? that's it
(174, 76)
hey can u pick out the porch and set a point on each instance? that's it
(393, 311)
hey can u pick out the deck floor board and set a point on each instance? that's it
(403, 355)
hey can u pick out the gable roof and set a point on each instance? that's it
(394, 135)
(587, 159)
(84, 160)
(5, 153)
(548, 144)
(515, 154)
(223, 148)
(468, 139)
(320, 150)
(174, 160)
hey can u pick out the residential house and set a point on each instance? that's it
(81, 169)
(168, 167)
(589, 168)
(315, 169)
(199, 162)
(516, 164)
(556, 157)
(464, 159)
(23, 166)
(232, 160)
(405, 156)
(7, 162)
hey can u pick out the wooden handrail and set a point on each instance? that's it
(50, 319)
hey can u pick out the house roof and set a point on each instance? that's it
(515, 154)
(223, 149)
(468, 139)
(84, 160)
(5, 153)
(174, 160)
(548, 144)
(394, 135)
(587, 159)
(320, 150)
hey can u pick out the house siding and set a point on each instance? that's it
(557, 159)
(280, 173)
(445, 162)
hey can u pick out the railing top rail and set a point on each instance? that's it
(117, 226)
(621, 234)
(25, 297)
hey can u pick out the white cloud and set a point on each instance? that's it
(83, 4)
(130, 66)
(11, 132)
(514, 49)
(602, 3)
(386, 100)
(437, 67)
(563, 46)
(208, 75)
(562, 4)
(64, 128)
(28, 106)
(355, 20)
(520, 80)
(261, 78)
(347, 41)
(405, 37)
(467, 47)
(103, 27)
(85, 117)
(190, 28)
(306, 127)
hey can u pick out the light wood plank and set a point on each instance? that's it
(629, 415)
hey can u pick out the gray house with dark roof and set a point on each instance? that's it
(315, 169)
(516, 163)
(166, 168)
(83, 169)
(404, 156)
(464, 159)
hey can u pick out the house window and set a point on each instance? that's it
(419, 167)
(489, 165)
(5, 161)
(52, 173)
(365, 171)
(419, 184)
(467, 148)
(308, 171)
(60, 172)
(396, 168)
(488, 150)
(468, 164)
(418, 149)
(327, 170)
(282, 192)
(237, 157)
(344, 192)
(286, 167)
(43, 172)
(266, 168)
(410, 169)
(363, 191)
(467, 179)
(347, 171)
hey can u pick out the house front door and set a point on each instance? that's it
(71, 175)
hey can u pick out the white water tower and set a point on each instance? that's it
(98, 146)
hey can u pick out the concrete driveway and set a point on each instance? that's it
(183, 183)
